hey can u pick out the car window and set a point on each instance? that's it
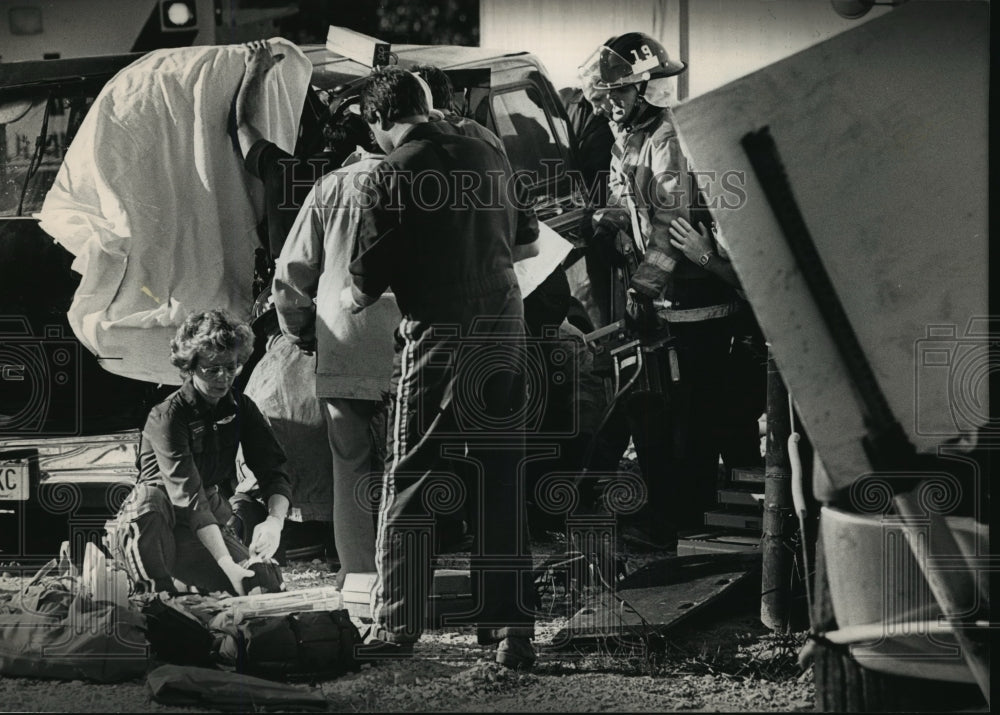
(27, 170)
(523, 125)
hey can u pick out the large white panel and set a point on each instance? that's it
(883, 133)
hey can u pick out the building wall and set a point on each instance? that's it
(81, 28)
(562, 33)
(732, 38)
(727, 38)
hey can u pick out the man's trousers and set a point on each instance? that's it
(456, 433)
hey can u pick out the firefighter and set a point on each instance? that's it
(671, 300)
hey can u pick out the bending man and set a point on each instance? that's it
(456, 388)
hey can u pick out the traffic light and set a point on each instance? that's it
(178, 15)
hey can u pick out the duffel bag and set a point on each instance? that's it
(294, 646)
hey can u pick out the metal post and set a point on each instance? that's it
(684, 32)
(775, 587)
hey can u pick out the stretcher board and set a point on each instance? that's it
(655, 599)
(451, 594)
(883, 135)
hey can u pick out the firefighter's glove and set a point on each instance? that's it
(266, 537)
(307, 344)
(612, 218)
(611, 227)
(235, 573)
(640, 315)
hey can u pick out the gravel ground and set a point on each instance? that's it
(724, 661)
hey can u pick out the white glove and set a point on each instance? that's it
(235, 573)
(266, 537)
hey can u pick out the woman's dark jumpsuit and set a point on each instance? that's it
(187, 453)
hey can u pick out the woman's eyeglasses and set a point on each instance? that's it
(217, 371)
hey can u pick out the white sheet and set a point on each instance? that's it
(153, 200)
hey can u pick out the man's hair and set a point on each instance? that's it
(440, 84)
(393, 93)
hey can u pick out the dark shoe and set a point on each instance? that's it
(377, 649)
(516, 652)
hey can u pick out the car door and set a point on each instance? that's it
(522, 108)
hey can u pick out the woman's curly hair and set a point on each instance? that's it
(208, 334)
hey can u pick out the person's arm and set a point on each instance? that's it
(379, 238)
(249, 99)
(526, 233)
(596, 142)
(525, 250)
(667, 196)
(265, 457)
(267, 534)
(211, 538)
(170, 438)
(526, 226)
(699, 248)
(616, 187)
(296, 276)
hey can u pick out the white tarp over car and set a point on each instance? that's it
(153, 201)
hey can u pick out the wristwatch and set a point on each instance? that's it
(705, 258)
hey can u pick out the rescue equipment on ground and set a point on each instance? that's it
(300, 635)
(71, 624)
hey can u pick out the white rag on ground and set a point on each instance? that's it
(153, 201)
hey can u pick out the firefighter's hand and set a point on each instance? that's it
(235, 573)
(613, 218)
(266, 537)
(307, 348)
(692, 243)
(640, 315)
(608, 244)
(305, 343)
(608, 226)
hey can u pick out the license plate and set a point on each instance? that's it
(13, 479)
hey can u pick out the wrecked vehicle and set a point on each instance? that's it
(68, 423)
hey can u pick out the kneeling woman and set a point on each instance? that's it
(171, 531)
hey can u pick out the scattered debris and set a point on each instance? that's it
(722, 663)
